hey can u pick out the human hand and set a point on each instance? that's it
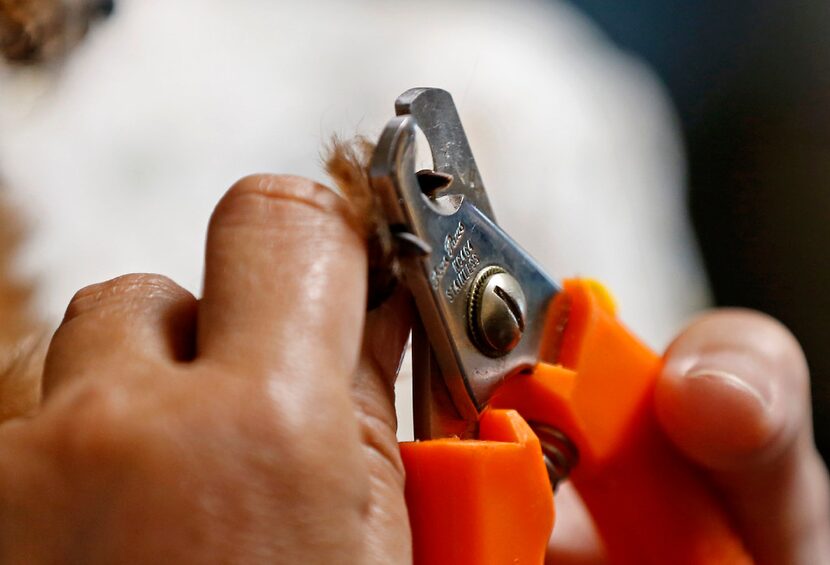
(251, 427)
(255, 425)
(734, 398)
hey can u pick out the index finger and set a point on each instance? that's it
(285, 279)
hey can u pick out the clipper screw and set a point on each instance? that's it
(496, 312)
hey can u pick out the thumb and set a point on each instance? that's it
(734, 397)
(385, 337)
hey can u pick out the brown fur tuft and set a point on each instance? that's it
(21, 349)
(347, 163)
(21, 370)
(33, 31)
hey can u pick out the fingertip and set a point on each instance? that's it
(140, 317)
(285, 277)
(265, 188)
(733, 391)
(714, 417)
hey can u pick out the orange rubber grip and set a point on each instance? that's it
(650, 505)
(479, 502)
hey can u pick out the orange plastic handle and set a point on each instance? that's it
(479, 502)
(650, 505)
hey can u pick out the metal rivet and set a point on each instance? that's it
(496, 312)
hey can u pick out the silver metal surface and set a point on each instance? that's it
(560, 454)
(455, 223)
(434, 112)
(496, 311)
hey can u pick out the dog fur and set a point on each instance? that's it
(32, 32)
(347, 164)
(40, 31)
(21, 350)
(36, 31)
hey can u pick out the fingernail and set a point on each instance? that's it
(736, 372)
(722, 410)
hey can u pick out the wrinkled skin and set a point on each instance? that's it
(257, 425)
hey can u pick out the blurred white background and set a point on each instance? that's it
(117, 159)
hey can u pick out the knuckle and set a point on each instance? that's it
(281, 434)
(305, 434)
(94, 423)
(121, 291)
